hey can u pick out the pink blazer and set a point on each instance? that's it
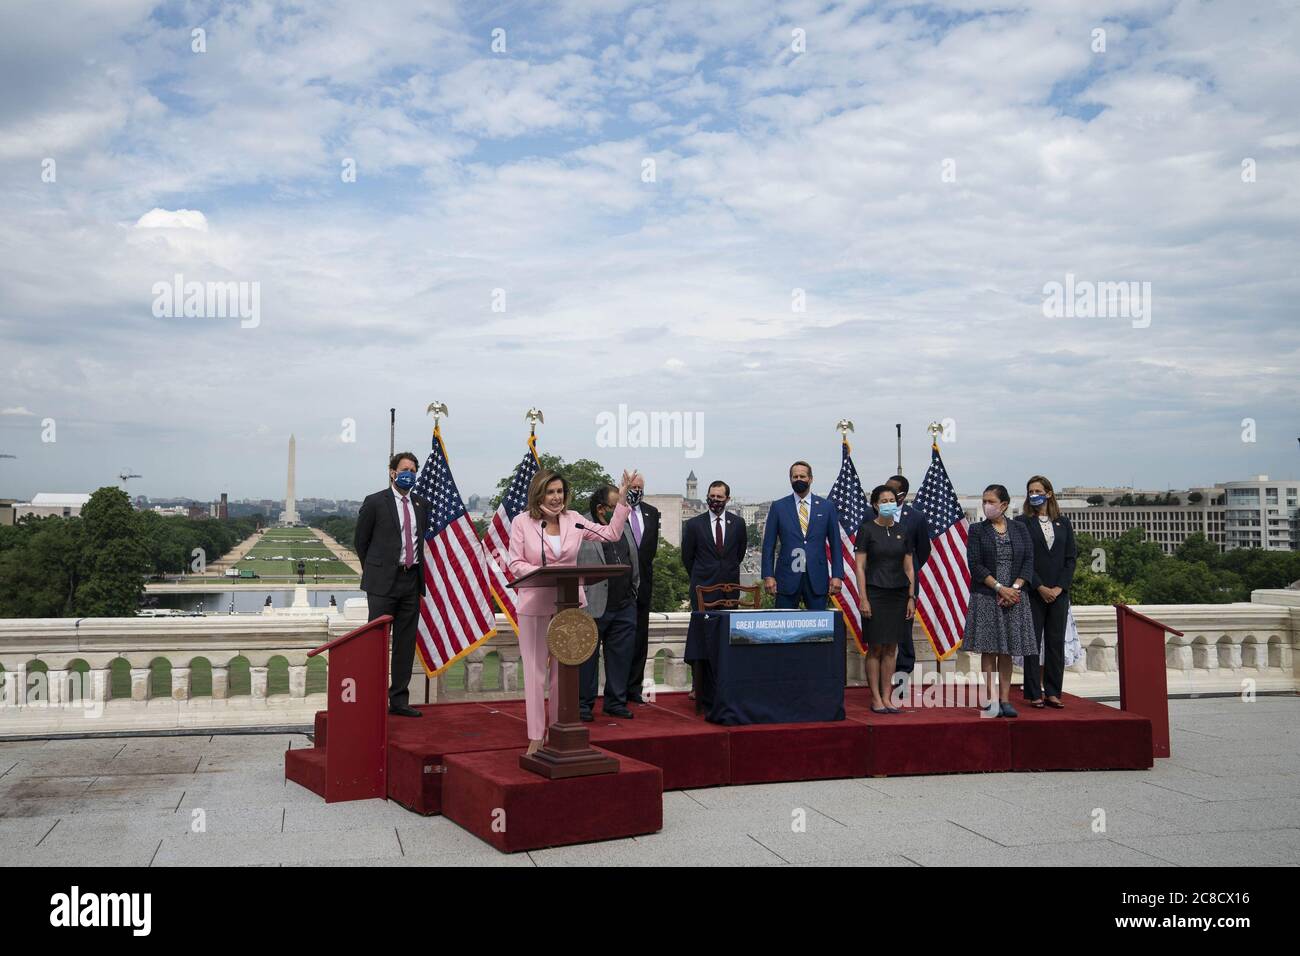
(526, 552)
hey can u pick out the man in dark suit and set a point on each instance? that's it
(805, 525)
(916, 531)
(612, 604)
(713, 545)
(389, 541)
(644, 522)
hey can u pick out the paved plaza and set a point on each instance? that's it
(1229, 796)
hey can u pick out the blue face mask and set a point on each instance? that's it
(889, 510)
(405, 480)
(1038, 500)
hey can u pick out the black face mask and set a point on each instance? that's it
(800, 487)
(717, 506)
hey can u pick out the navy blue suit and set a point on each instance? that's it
(786, 547)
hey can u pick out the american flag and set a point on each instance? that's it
(496, 540)
(456, 610)
(846, 494)
(944, 583)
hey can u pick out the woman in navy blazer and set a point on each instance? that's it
(1055, 555)
(999, 624)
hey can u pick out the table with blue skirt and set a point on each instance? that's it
(765, 683)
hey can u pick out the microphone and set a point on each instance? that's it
(542, 538)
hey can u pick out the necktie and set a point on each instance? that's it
(803, 517)
(717, 533)
(408, 545)
(636, 526)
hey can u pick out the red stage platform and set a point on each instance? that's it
(461, 759)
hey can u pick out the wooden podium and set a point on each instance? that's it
(356, 760)
(568, 751)
(1143, 686)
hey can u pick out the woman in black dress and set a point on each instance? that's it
(887, 585)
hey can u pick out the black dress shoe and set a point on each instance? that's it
(585, 716)
(619, 712)
(404, 711)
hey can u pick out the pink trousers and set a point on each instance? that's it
(536, 656)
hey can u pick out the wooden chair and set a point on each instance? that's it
(755, 592)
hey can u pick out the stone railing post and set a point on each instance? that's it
(180, 683)
(220, 682)
(509, 674)
(58, 687)
(257, 682)
(140, 683)
(297, 680)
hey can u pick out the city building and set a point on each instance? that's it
(1253, 513)
(46, 504)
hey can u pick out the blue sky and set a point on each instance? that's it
(776, 169)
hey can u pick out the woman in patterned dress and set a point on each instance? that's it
(999, 623)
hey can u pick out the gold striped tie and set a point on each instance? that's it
(803, 517)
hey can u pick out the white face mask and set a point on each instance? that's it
(992, 512)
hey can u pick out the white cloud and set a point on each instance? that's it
(173, 219)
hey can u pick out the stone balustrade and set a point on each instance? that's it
(60, 674)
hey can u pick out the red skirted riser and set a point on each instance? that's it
(514, 809)
(465, 756)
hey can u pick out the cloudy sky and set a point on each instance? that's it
(580, 205)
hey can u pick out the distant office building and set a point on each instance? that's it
(7, 512)
(1255, 513)
(45, 504)
(1259, 513)
(1165, 525)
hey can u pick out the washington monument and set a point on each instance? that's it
(290, 516)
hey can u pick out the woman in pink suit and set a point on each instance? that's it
(549, 524)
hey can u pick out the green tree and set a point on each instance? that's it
(672, 584)
(1186, 582)
(1096, 500)
(116, 557)
(1089, 587)
(1195, 498)
(1131, 554)
(40, 567)
(584, 477)
(1197, 547)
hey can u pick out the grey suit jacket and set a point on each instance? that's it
(593, 552)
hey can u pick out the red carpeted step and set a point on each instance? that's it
(305, 766)
(1086, 735)
(513, 809)
(767, 753)
(928, 740)
(418, 746)
(690, 752)
(318, 736)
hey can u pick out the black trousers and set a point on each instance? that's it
(403, 602)
(905, 662)
(1049, 626)
(616, 633)
(640, 648)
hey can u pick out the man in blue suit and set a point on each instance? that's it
(794, 546)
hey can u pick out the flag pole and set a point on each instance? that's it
(392, 432)
(898, 430)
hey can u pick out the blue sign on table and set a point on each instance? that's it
(781, 627)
